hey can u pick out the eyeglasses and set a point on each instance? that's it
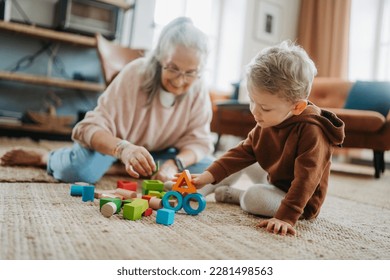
(174, 73)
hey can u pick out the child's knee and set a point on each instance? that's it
(261, 200)
(251, 198)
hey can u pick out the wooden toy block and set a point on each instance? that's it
(155, 193)
(76, 190)
(152, 185)
(147, 212)
(198, 198)
(99, 193)
(142, 202)
(88, 193)
(183, 184)
(116, 201)
(155, 203)
(81, 183)
(130, 212)
(147, 197)
(112, 196)
(126, 201)
(165, 216)
(133, 211)
(126, 193)
(108, 209)
(167, 203)
(127, 185)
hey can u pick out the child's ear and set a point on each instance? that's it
(299, 107)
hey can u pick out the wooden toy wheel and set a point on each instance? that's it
(167, 204)
(187, 203)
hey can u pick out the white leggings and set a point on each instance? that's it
(259, 199)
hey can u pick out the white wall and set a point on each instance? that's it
(230, 43)
(138, 25)
(288, 11)
(239, 41)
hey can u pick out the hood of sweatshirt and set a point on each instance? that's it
(331, 125)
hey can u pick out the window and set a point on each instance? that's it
(370, 40)
(204, 14)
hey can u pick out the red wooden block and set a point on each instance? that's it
(146, 197)
(127, 185)
(147, 212)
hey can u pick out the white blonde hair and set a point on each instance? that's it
(285, 70)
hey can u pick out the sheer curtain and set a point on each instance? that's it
(204, 14)
(324, 33)
(370, 40)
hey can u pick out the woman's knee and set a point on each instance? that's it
(73, 173)
(78, 164)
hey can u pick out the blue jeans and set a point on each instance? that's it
(79, 164)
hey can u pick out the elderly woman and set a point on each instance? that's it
(156, 110)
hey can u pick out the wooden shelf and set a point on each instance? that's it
(49, 34)
(119, 3)
(38, 128)
(50, 81)
(47, 130)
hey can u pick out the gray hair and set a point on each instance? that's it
(181, 31)
(284, 69)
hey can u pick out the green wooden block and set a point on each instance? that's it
(133, 211)
(143, 203)
(152, 185)
(117, 201)
(126, 201)
(155, 193)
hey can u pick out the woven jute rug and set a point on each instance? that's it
(40, 220)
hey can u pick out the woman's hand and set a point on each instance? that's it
(166, 171)
(277, 226)
(137, 160)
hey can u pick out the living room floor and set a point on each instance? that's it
(39, 220)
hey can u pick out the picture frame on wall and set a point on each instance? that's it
(268, 17)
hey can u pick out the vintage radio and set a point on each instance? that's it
(89, 17)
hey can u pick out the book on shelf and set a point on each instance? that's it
(10, 117)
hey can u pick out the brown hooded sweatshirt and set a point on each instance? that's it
(297, 156)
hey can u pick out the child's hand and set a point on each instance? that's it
(199, 180)
(277, 226)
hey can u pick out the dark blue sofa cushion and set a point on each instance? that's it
(369, 95)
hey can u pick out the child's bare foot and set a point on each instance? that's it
(25, 157)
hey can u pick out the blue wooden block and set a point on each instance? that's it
(88, 193)
(76, 190)
(165, 216)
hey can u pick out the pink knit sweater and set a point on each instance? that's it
(122, 111)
